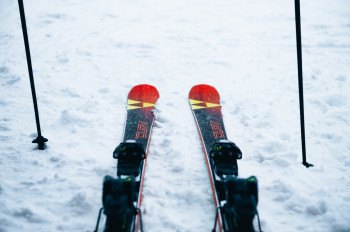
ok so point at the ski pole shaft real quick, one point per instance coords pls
(300, 80)
(40, 140)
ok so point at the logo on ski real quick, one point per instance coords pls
(132, 104)
(195, 104)
(217, 130)
(142, 129)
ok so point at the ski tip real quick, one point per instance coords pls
(144, 93)
(204, 93)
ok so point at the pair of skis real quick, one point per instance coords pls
(235, 198)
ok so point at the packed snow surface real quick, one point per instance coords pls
(88, 54)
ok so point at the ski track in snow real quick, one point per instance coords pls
(86, 57)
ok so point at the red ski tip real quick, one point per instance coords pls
(205, 93)
(144, 93)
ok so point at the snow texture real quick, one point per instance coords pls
(88, 54)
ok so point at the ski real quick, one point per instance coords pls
(122, 195)
(235, 198)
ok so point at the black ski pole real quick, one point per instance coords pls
(300, 80)
(40, 140)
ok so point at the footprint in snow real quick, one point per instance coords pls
(341, 78)
(177, 168)
(3, 128)
(336, 100)
(28, 215)
(70, 93)
(4, 70)
(6, 78)
(79, 204)
(165, 143)
(68, 118)
(273, 147)
(282, 191)
(2, 103)
(317, 208)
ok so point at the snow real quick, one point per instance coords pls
(86, 57)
